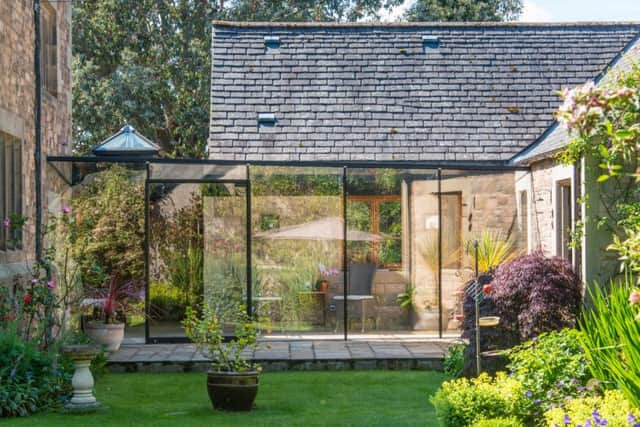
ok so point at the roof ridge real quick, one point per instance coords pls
(517, 24)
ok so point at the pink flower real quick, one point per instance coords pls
(66, 210)
(634, 298)
(51, 284)
(6, 223)
(35, 280)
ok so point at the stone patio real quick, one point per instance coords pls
(290, 355)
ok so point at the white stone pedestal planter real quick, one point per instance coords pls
(82, 381)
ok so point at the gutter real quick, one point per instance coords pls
(38, 129)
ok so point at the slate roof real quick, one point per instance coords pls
(556, 137)
(374, 92)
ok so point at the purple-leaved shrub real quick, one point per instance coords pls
(535, 294)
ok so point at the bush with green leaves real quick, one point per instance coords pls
(109, 211)
(499, 422)
(551, 368)
(166, 301)
(206, 330)
(462, 402)
(611, 410)
(454, 360)
(611, 337)
(32, 379)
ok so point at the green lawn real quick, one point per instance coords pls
(339, 398)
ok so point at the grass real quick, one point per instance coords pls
(342, 398)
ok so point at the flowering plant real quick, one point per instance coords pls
(604, 123)
(325, 273)
(115, 298)
(611, 410)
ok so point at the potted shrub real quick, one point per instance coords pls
(427, 318)
(232, 379)
(105, 328)
(406, 301)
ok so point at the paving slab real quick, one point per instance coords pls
(292, 354)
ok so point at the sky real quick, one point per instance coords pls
(564, 10)
(580, 10)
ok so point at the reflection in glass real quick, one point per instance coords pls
(297, 234)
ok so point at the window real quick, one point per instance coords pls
(49, 49)
(381, 216)
(523, 218)
(10, 188)
(563, 219)
(451, 230)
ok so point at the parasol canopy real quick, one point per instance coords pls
(330, 228)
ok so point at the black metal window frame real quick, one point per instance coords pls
(438, 167)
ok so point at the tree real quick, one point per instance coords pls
(309, 10)
(147, 62)
(465, 10)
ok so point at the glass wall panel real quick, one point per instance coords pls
(476, 205)
(424, 243)
(197, 252)
(385, 293)
(297, 248)
(106, 202)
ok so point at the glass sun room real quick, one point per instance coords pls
(317, 250)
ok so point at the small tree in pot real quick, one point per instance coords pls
(232, 380)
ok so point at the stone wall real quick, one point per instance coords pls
(17, 107)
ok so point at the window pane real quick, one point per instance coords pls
(390, 226)
(17, 188)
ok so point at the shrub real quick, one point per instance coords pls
(454, 360)
(611, 338)
(166, 301)
(110, 212)
(499, 422)
(534, 294)
(462, 402)
(612, 410)
(31, 379)
(550, 368)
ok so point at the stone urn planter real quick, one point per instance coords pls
(232, 391)
(426, 320)
(82, 381)
(109, 335)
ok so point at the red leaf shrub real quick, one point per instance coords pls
(535, 294)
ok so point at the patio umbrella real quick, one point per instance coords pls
(329, 228)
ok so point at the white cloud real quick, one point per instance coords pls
(533, 12)
(396, 13)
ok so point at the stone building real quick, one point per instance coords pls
(17, 115)
(478, 98)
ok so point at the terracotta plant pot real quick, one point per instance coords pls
(324, 286)
(232, 391)
(109, 335)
